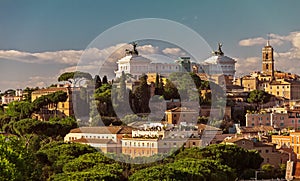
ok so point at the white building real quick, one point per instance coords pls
(136, 65)
(106, 138)
(218, 63)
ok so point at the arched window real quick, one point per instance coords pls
(267, 56)
(267, 66)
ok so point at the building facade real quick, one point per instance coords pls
(181, 114)
(136, 65)
(64, 109)
(277, 83)
(219, 64)
(105, 138)
(291, 141)
(267, 151)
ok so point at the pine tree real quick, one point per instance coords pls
(98, 82)
(104, 80)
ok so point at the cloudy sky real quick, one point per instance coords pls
(41, 39)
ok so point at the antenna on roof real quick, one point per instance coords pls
(268, 42)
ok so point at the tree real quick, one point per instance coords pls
(122, 90)
(196, 80)
(16, 163)
(104, 80)
(186, 169)
(258, 97)
(230, 155)
(27, 93)
(98, 82)
(170, 91)
(59, 96)
(53, 156)
(19, 110)
(142, 96)
(103, 95)
(159, 85)
(53, 98)
(74, 77)
(185, 84)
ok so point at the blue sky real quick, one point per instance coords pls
(60, 25)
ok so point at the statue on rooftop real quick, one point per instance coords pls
(134, 51)
(219, 52)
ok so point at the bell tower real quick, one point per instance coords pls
(268, 60)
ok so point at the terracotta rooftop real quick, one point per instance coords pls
(103, 130)
(207, 127)
(181, 109)
(50, 89)
(256, 129)
(233, 140)
(99, 141)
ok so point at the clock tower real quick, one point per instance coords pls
(268, 60)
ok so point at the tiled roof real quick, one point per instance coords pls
(207, 127)
(181, 109)
(256, 129)
(103, 130)
(261, 144)
(99, 141)
(233, 140)
(50, 89)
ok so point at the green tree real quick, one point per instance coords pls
(258, 97)
(104, 102)
(186, 169)
(16, 163)
(159, 85)
(230, 155)
(104, 80)
(19, 110)
(53, 156)
(74, 77)
(98, 82)
(59, 96)
(196, 79)
(142, 96)
(170, 91)
(27, 93)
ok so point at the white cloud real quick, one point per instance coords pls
(91, 60)
(173, 51)
(287, 59)
(63, 57)
(246, 65)
(252, 41)
(260, 41)
(35, 81)
(147, 49)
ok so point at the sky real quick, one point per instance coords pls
(39, 40)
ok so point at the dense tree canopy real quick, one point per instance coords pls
(15, 161)
(258, 97)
